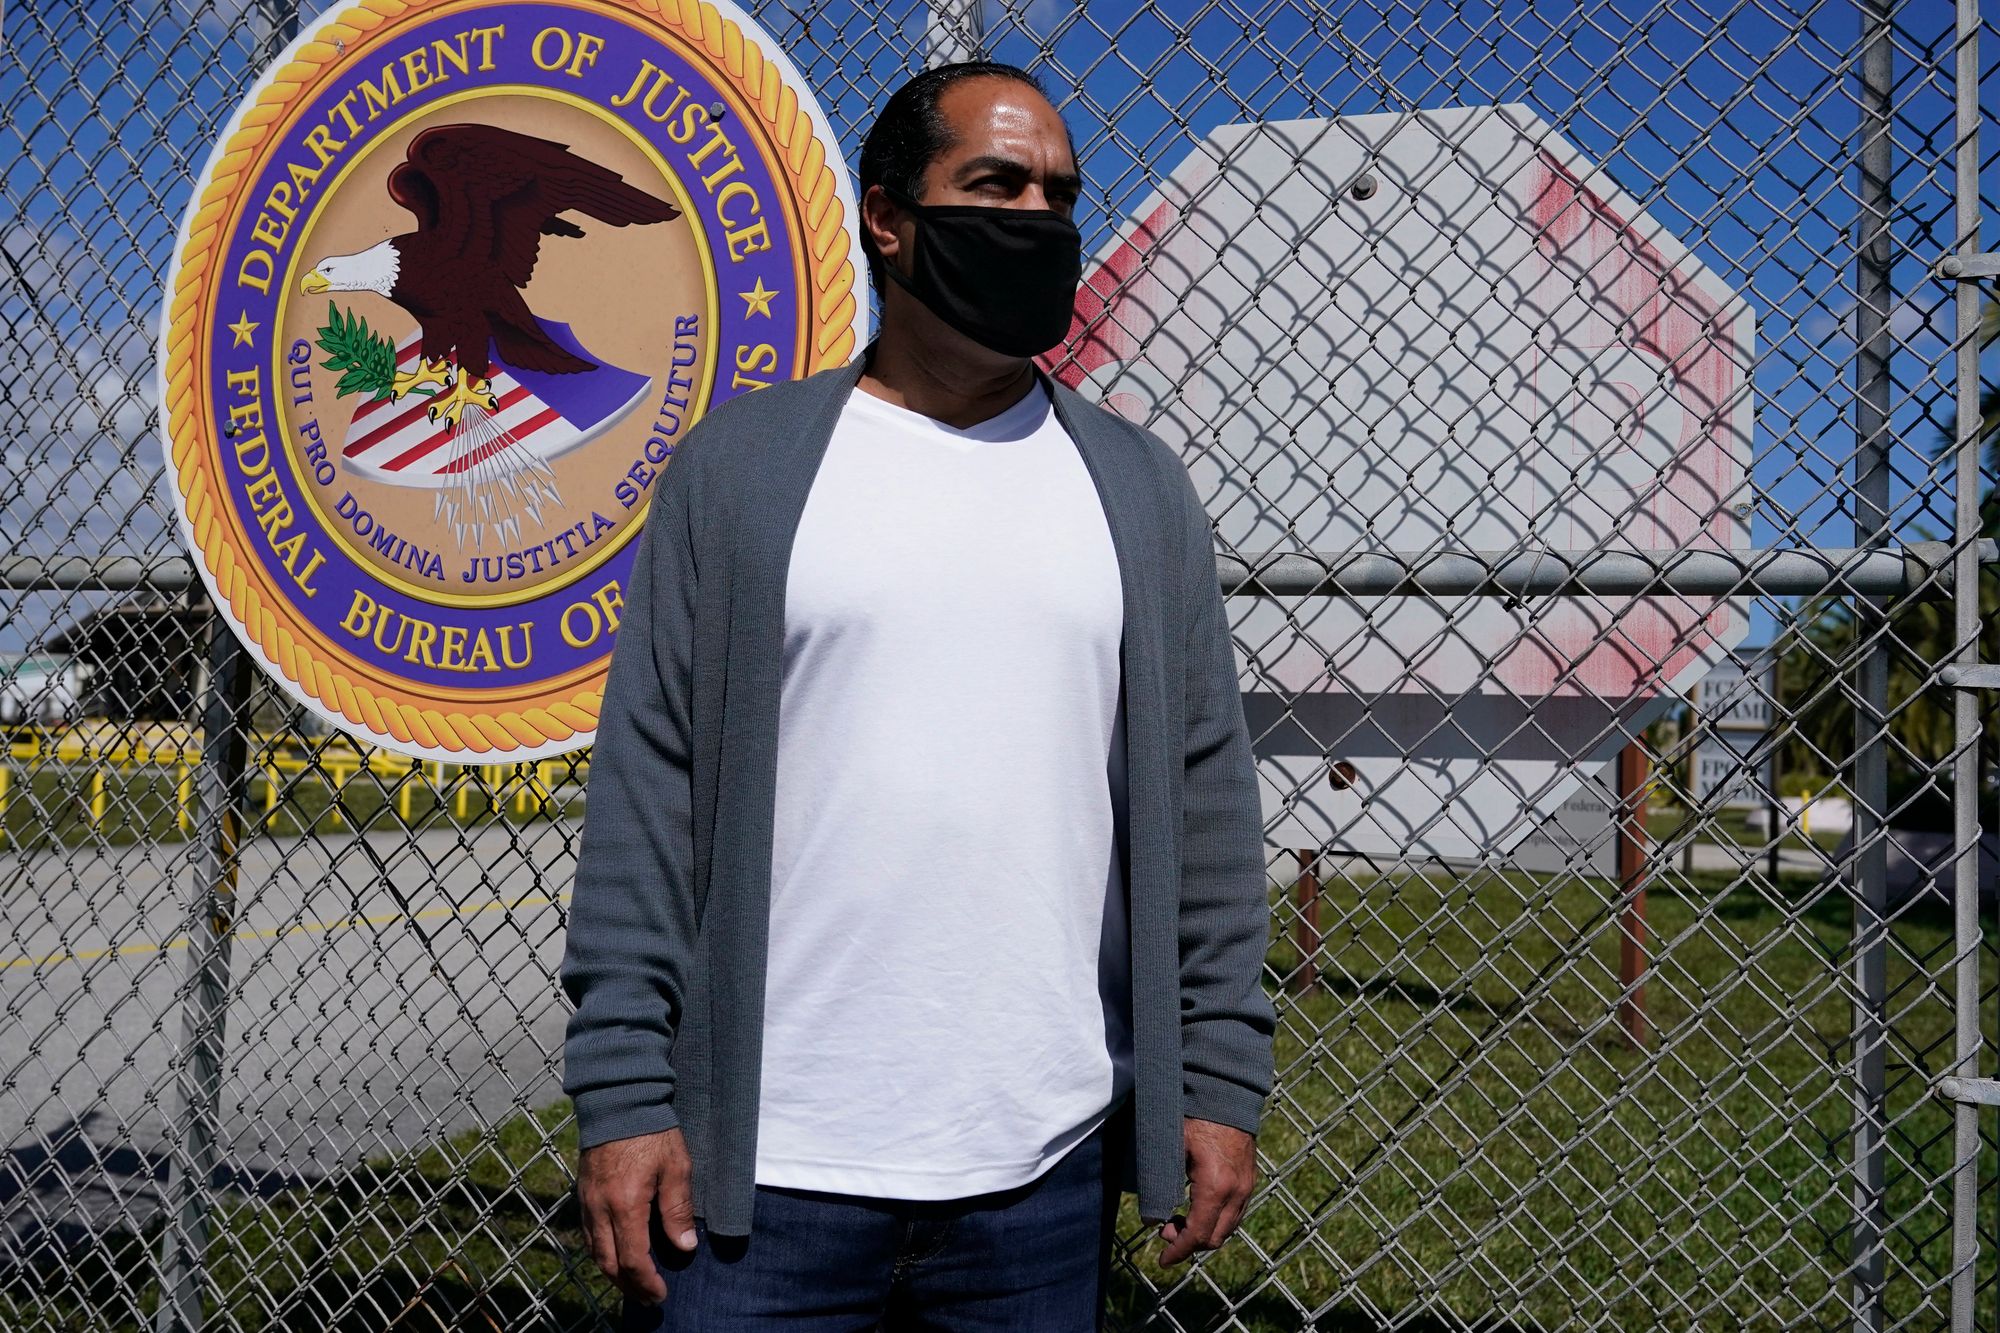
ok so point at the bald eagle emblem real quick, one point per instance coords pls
(502, 390)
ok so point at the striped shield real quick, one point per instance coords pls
(541, 417)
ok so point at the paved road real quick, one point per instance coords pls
(1791, 860)
(385, 991)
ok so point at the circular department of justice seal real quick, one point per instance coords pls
(454, 283)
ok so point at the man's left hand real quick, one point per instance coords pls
(1222, 1170)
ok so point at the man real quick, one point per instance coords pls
(882, 995)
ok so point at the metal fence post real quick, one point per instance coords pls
(1966, 730)
(220, 791)
(1869, 869)
(192, 1148)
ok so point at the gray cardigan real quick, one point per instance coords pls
(665, 960)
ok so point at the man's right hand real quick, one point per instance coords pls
(618, 1184)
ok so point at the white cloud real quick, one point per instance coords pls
(1036, 16)
(80, 454)
(246, 22)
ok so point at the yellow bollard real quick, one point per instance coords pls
(403, 790)
(463, 797)
(97, 797)
(6, 782)
(183, 797)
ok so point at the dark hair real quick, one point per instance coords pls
(910, 132)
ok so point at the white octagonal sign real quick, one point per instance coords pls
(1442, 331)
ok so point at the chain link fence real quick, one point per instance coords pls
(1685, 1036)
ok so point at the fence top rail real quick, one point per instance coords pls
(1770, 571)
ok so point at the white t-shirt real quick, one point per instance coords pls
(947, 1002)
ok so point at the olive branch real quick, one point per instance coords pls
(365, 359)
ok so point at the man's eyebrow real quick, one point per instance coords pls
(1007, 166)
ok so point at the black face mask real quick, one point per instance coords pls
(1004, 277)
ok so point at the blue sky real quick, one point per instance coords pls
(1732, 124)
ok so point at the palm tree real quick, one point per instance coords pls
(1816, 664)
(1989, 429)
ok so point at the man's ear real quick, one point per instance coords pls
(880, 215)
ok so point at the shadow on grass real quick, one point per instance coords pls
(447, 1300)
(107, 1282)
(1199, 1308)
(1420, 994)
(70, 1186)
(81, 1231)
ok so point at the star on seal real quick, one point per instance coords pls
(758, 300)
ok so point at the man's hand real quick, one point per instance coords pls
(617, 1184)
(1222, 1170)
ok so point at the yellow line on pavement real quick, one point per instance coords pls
(326, 927)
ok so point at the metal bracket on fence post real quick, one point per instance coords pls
(1969, 268)
(1970, 1091)
(1970, 677)
(192, 1134)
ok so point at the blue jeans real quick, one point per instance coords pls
(1032, 1259)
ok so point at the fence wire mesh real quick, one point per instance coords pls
(1676, 1069)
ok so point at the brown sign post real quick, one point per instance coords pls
(1305, 929)
(1632, 841)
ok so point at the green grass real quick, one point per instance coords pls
(1461, 1135)
(1471, 1133)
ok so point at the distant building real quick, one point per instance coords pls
(140, 654)
(143, 657)
(41, 690)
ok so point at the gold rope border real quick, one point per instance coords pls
(829, 265)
